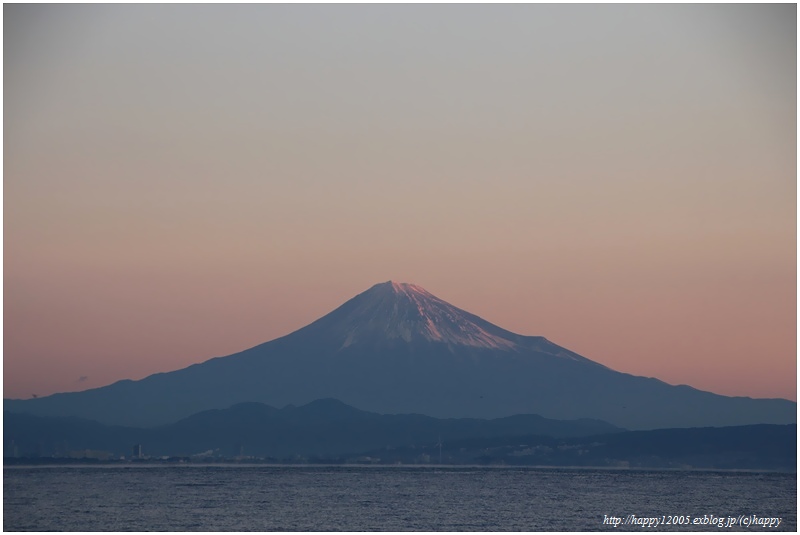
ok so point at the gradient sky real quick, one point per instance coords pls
(184, 182)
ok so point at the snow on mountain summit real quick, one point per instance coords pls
(402, 311)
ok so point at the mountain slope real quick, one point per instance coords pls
(324, 428)
(330, 431)
(396, 348)
(750, 447)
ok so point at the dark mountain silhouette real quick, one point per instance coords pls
(750, 447)
(396, 348)
(322, 428)
(330, 431)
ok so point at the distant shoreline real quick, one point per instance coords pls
(48, 462)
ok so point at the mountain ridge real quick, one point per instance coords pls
(321, 427)
(330, 431)
(396, 348)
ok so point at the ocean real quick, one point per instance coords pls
(139, 497)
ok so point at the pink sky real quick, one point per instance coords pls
(618, 179)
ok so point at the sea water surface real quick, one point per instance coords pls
(381, 498)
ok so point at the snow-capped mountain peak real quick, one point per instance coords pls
(403, 311)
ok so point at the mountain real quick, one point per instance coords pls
(749, 447)
(325, 428)
(396, 348)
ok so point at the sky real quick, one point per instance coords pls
(183, 182)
